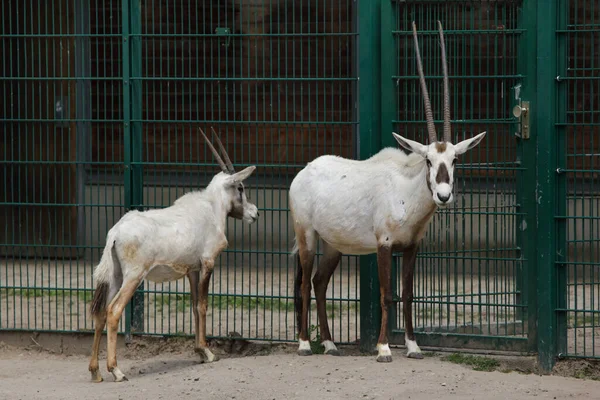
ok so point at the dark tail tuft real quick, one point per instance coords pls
(298, 294)
(99, 301)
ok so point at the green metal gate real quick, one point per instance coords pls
(468, 280)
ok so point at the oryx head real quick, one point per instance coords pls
(440, 156)
(230, 185)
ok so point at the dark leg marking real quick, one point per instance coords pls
(328, 264)
(384, 267)
(408, 269)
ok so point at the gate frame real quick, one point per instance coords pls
(538, 58)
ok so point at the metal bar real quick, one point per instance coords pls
(128, 139)
(135, 48)
(545, 119)
(369, 142)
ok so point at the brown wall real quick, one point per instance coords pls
(199, 90)
(32, 143)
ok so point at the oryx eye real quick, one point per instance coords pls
(428, 162)
(241, 189)
(454, 161)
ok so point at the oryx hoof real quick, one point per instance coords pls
(416, 356)
(384, 359)
(206, 356)
(96, 377)
(333, 352)
(118, 375)
(305, 352)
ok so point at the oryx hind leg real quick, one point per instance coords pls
(113, 315)
(307, 243)
(327, 265)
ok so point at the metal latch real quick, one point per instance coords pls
(521, 111)
(224, 32)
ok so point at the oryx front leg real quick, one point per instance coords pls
(194, 278)
(201, 345)
(408, 268)
(384, 266)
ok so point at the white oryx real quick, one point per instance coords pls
(383, 204)
(164, 245)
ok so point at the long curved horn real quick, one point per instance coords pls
(447, 128)
(214, 151)
(222, 148)
(428, 112)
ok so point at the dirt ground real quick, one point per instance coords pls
(168, 369)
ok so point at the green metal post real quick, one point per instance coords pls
(526, 153)
(561, 179)
(369, 105)
(389, 56)
(137, 199)
(126, 127)
(132, 104)
(544, 118)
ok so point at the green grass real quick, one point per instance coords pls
(83, 295)
(182, 302)
(584, 320)
(315, 344)
(477, 362)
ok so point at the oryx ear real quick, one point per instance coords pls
(468, 144)
(411, 145)
(242, 175)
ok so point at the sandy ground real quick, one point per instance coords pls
(259, 371)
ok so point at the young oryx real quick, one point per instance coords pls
(382, 204)
(164, 245)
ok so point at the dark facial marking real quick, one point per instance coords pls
(427, 176)
(440, 147)
(442, 174)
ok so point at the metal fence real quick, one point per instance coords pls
(100, 103)
(578, 161)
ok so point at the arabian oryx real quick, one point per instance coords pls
(382, 204)
(162, 245)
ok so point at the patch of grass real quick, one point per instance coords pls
(477, 362)
(83, 295)
(315, 344)
(586, 373)
(583, 320)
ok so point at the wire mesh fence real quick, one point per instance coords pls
(578, 144)
(102, 108)
(101, 101)
(467, 281)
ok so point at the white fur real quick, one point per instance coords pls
(329, 346)
(411, 346)
(165, 244)
(358, 206)
(383, 350)
(303, 344)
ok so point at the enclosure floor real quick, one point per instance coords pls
(279, 375)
